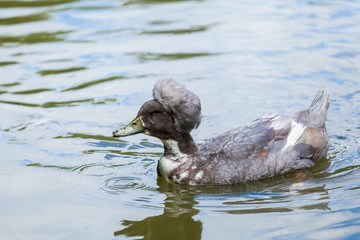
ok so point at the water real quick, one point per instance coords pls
(73, 71)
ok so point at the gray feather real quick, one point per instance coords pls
(240, 143)
(315, 115)
(184, 104)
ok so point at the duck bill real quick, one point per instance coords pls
(132, 128)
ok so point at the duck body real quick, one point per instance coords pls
(266, 147)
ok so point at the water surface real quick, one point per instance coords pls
(73, 71)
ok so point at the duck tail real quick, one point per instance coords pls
(315, 114)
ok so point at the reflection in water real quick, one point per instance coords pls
(147, 56)
(5, 64)
(153, 1)
(71, 103)
(277, 201)
(175, 223)
(33, 91)
(33, 38)
(58, 71)
(36, 3)
(94, 82)
(179, 31)
(24, 19)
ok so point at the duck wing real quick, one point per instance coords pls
(258, 137)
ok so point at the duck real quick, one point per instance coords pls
(266, 147)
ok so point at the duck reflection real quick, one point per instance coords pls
(175, 223)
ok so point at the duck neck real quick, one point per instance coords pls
(181, 143)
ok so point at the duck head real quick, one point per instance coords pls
(152, 119)
(173, 111)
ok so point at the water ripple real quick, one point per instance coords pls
(59, 71)
(147, 56)
(33, 38)
(92, 83)
(119, 184)
(24, 19)
(6, 63)
(33, 91)
(10, 84)
(36, 3)
(129, 2)
(193, 29)
(71, 103)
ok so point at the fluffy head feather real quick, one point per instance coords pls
(184, 104)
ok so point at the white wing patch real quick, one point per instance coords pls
(297, 129)
(199, 175)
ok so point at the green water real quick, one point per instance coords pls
(73, 71)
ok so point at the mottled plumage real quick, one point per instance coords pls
(266, 147)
